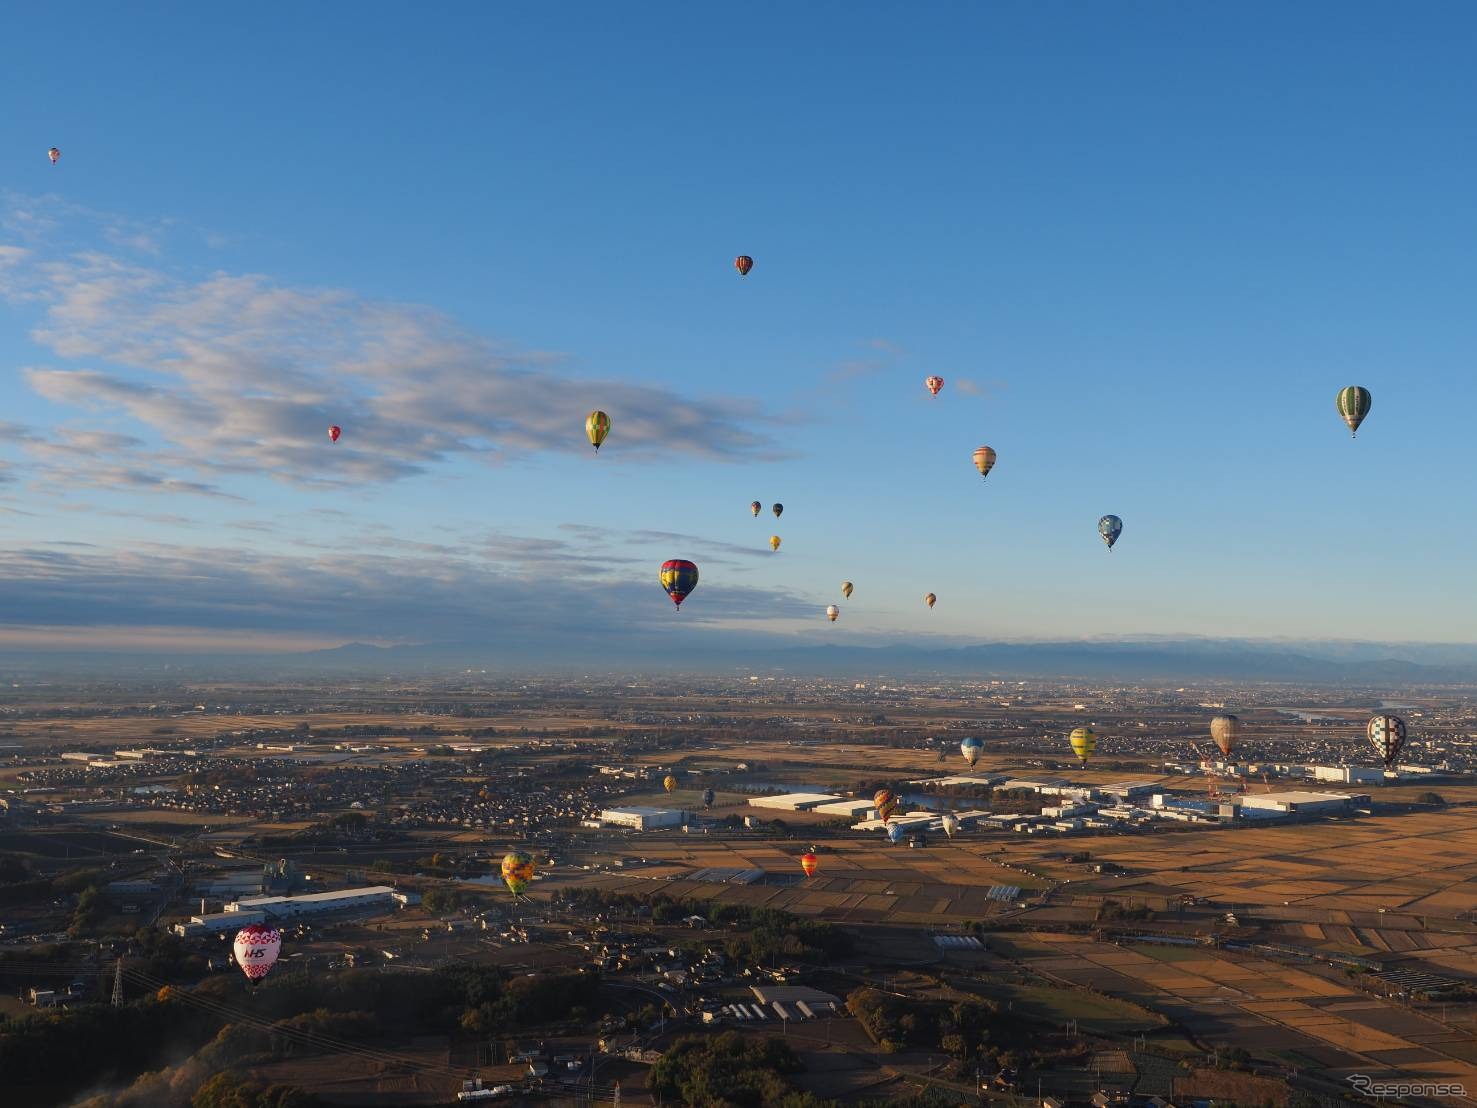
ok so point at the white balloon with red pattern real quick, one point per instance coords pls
(256, 949)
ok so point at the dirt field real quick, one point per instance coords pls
(1304, 1017)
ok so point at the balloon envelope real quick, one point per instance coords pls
(679, 578)
(334, 432)
(846, 589)
(754, 506)
(1110, 527)
(256, 948)
(774, 542)
(778, 510)
(930, 600)
(984, 460)
(951, 824)
(54, 154)
(1353, 404)
(597, 426)
(707, 798)
(1225, 731)
(933, 384)
(885, 801)
(1386, 735)
(517, 870)
(743, 263)
(971, 748)
(832, 611)
(809, 862)
(895, 833)
(669, 782)
(1084, 743)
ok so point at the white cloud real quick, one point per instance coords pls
(238, 374)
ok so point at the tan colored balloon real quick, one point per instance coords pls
(1226, 731)
(846, 589)
(930, 600)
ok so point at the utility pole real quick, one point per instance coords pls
(118, 985)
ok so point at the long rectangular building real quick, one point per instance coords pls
(291, 907)
(794, 802)
(643, 819)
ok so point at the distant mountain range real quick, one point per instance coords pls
(1142, 660)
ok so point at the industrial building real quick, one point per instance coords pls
(1130, 790)
(846, 809)
(1349, 775)
(292, 907)
(982, 780)
(795, 802)
(643, 819)
(1302, 803)
(216, 922)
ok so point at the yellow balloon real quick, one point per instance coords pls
(1084, 743)
(597, 426)
(774, 542)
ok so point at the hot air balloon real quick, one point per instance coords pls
(895, 833)
(1110, 527)
(755, 506)
(256, 947)
(679, 578)
(809, 862)
(984, 460)
(743, 263)
(885, 801)
(1226, 731)
(951, 824)
(832, 611)
(846, 589)
(1387, 735)
(597, 426)
(1353, 405)
(669, 782)
(334, 432)
(517, 871)
(707, 798)
(774, 542)
(971, 748)
(1084, 742)
(933, 384)
(54, 154)
(930, 600)
(778, 510)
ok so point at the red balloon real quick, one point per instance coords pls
(743, 263)
(933, 384)
(334, 432)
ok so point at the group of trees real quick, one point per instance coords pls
(962, 1029)
(47, 1056)
(767, 935)
(736, 1071)
(729, 1069)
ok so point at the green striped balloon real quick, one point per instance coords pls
(1353, 405)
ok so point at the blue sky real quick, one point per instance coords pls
(1144, 243)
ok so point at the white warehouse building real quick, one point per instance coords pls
(1302, 803)
(643, 819)
(291, 907)
(794, 802)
